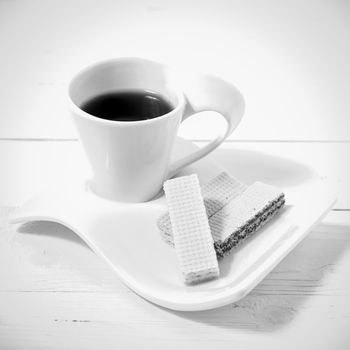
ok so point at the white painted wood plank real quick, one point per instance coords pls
(290, 59)
(89, 321)
(54, 294)
(28, 166)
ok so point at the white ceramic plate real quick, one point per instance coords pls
(127, 238)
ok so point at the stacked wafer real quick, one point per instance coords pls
(230, 210)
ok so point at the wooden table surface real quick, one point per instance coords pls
(290, 59)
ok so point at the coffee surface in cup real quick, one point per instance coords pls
(127, 106)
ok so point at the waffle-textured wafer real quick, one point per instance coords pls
(235, 215)
(244, 215)
(191, 232)
(216, 194)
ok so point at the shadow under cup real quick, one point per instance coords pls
(129, 160)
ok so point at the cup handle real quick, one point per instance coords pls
(209, 93)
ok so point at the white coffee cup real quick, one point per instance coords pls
(130, 160)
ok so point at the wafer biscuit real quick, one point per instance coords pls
(237, 214)
(191, 232)
(244, 215)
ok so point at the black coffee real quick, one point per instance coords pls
(127, 106)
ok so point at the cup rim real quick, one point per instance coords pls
(73, 107)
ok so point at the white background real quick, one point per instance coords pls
(290, 59)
